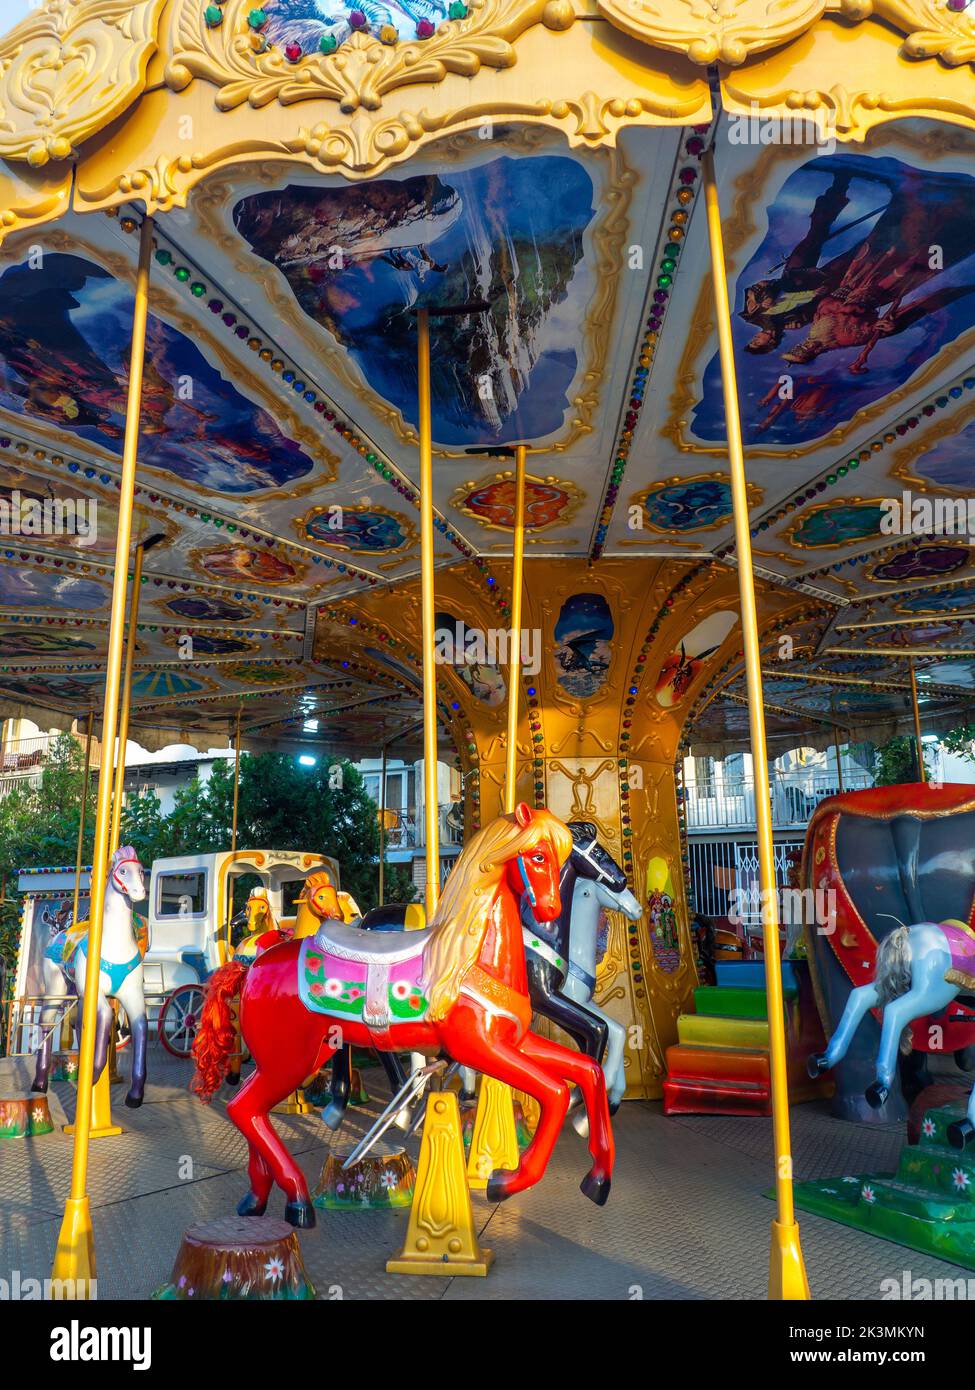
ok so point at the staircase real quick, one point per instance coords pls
(720, 1063)
(928, 1204)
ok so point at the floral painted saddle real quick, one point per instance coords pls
(371, 976)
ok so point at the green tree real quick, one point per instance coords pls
(896, 762)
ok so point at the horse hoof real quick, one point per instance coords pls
(816, 1064)
(614, 1105)
(300, 1214)
(596, 1189)
(232, 1078)
(876, 1095)
(497, 1187)
(333, 1115)
(960, 1133)
(39, 1088)
(133, 1102)
(251, 1206)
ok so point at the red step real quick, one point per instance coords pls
(684, 1097)
(686, 1062)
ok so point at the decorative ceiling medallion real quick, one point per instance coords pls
(698, 503)
(829, 524)
(243, 564)
(236, 57)
(710, 31)
(69, 70)
(357, 530)
(549, 501)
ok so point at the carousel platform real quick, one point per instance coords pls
(687, 1219)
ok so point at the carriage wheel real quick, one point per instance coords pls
(179, 1019)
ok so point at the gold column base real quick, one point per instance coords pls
(786, 1269)
(73, 1271)
(494, 1139)
(294, 1105)
(101, 1111)
(441, 1238)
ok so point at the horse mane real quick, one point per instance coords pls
(459, 924)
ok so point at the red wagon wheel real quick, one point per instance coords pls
(179, 1019)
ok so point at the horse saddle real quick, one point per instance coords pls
(369, 975)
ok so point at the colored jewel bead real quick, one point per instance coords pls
(213, 15)
(457, 10)
(425, 29)
(292, 51)
(257, 19)
(164, 257)
(328, 43)
(358, 20)
(389, 34)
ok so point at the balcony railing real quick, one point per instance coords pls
(407, 831)
(731, 805)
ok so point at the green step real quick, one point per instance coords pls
(913, 1199)
(724, 1001)
(937, 1122)
(939, 1170)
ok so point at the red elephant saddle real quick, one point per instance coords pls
(371, 976)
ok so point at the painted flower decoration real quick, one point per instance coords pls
(927, 1127)
(400, 990)
(389, 1180)
(333, 987)
(868, 1194)
(848, 1179)
(274, 1269)
(960, 1180)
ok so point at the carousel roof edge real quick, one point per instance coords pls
(101, 86)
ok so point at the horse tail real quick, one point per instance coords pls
(216, 1037)
(893, 974)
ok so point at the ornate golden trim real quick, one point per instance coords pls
(69, 70)
(722, 30)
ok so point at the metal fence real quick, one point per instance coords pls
(719, 867)
(731, 805)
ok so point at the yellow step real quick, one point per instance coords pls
(708, 1031)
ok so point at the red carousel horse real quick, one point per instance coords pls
(460, 986)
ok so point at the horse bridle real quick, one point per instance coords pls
(600, 874)
(129, 859)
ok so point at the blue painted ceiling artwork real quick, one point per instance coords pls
(65, 335)
(583, 635)
(509, 232)
(37, 588)
(844, 295)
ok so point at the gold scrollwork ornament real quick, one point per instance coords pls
(69, 70)
(711, 31)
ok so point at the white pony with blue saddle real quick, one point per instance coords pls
(119, 976)
(920, 970)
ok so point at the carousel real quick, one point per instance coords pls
(557, 389)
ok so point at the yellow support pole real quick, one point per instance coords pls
(79, 854)
(431, 807)
(67, 1027)
(514, 662)
(118, 794)
(233, 824)
(382, 828)
(74, 1259)
(921, 772)
(787, 1273)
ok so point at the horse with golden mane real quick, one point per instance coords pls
(460, 987)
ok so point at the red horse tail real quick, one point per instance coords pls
(216, 1037)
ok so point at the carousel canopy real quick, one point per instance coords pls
(316, 175)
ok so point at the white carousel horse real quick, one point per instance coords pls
(119, 977)
(920, 970)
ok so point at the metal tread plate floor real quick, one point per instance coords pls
(687, 1218)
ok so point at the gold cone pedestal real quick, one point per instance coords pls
(441, 1238)
(494, 1141)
